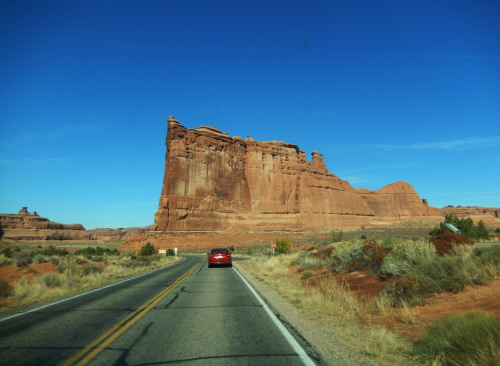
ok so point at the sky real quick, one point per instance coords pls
(387, 90)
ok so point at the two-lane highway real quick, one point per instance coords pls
(186, 313)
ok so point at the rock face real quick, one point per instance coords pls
(30, 226)
(216, 182)
(26, 220)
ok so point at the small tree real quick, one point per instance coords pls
(482, 232)
(283, 245)
(147, 250)
(337, 235)
(170, 253)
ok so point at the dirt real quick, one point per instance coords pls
(412, 326)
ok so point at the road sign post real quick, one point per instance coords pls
(273, 245)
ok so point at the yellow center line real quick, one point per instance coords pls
(113, 333)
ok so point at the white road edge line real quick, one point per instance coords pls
(84, 293)
(295, 345)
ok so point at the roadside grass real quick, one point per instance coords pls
(332, 304)
(413, 270)
(78, 273)
(469, 338)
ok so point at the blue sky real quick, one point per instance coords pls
(386, 90)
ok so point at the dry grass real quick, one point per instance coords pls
(333, 304)
(54, 285)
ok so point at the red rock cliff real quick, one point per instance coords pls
(216, 182)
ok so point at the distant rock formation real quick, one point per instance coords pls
(25, 220)
(216, 182)
(30, 226)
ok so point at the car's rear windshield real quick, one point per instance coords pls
(220, 251)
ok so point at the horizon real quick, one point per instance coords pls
(386, 91)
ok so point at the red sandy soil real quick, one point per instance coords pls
(366, 289)
(10, 274)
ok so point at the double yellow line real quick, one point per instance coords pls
(104, 340)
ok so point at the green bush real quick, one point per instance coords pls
(469, 338)
(465, 225)
(50, 279)
(307, 274)
(489, 255)
(448, 273)
(307, 262)
(337, 235)
(91, 268)
(40, 258)
(147, 250)
(283, 245)
(405, 255)
(97, 251)
(7, 252)
(403, 291)
(344, 254)
(53, 250)
(170, 253)
(24, 261)
(4, 261)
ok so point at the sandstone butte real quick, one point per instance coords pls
(215, 182)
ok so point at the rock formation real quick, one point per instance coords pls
(216, 182)
(25, 220)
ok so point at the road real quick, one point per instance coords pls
(182, 314)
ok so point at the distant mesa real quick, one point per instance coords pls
(30, 226)
(216, 182)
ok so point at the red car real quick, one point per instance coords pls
(219, 257)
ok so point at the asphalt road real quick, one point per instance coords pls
(182, 314)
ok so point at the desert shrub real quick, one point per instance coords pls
(4, 261)
(444, 241)
(24, 261)
(50, 279)
(91, 269)
(6, 252)
(403, 291)
(405, 255)
(283, 245)
(259, 259)
(489, 254)
(80, 260)
(231, 248)
(447, 273)
(308, 262)
(489, 259)
(147, 250)
(97, 258)
(40, 258)
(307, 274)
(337, 236)
(170, 253)
(97, 251)
(469, 338)
(5, 289)
(323, 253)
(54, 260)
(345, 254)
(53, 250)
(373, 256)
(156, 257)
